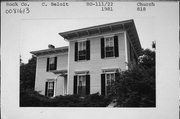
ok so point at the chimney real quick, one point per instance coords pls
(50, 46)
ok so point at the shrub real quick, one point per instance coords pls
(30, 98)
(136, 88)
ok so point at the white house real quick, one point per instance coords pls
(91, 61)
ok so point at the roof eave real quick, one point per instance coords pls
(111, 26)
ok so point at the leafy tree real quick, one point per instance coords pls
(136, 86)
(27, 74)
(147, 60)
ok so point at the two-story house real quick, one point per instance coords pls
(91, 61)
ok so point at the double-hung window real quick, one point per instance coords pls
(82, 50)
(49, 91)
(109, 47)
(51, 63)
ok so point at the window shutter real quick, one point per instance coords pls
(102, 84)
(116, 49)
(46, 88)
(53, 89)
(87, 84)
(47, 67)
(76, 51)
(75, 85)
(88, 50)
(102, 47)
(55, 63)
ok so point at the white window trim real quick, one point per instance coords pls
(84, 72)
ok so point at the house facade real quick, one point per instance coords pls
(90, 63)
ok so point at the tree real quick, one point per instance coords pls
(147, 60)
(27, 74)
(136, 86)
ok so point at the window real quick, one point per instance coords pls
(107, 81)
(49, 91)
(82, 50)
(110, 79)
(82, 84)
(81, 90)
(51, 63)
(109, 47)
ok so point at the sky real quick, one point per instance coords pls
(36, 34)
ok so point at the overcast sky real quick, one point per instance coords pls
(36, 34)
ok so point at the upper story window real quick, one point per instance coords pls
(109, 47)
(82, 50)
(51, 63)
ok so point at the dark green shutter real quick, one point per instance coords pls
(87, 84)
(116, 49)
(102, 84)
(76, 51)
(46, 88)
(55, 63)
(88, 50)
(75, 85)
(102, 47)
(47, 66)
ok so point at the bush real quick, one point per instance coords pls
(30, 98)
(136, 88)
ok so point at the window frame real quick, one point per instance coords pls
(111, 81)
(82, 48)
(78, 78)
(111, 40)
(52, 88)
(52, 66)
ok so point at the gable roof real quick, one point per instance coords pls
(127, 25)
(62, 50)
